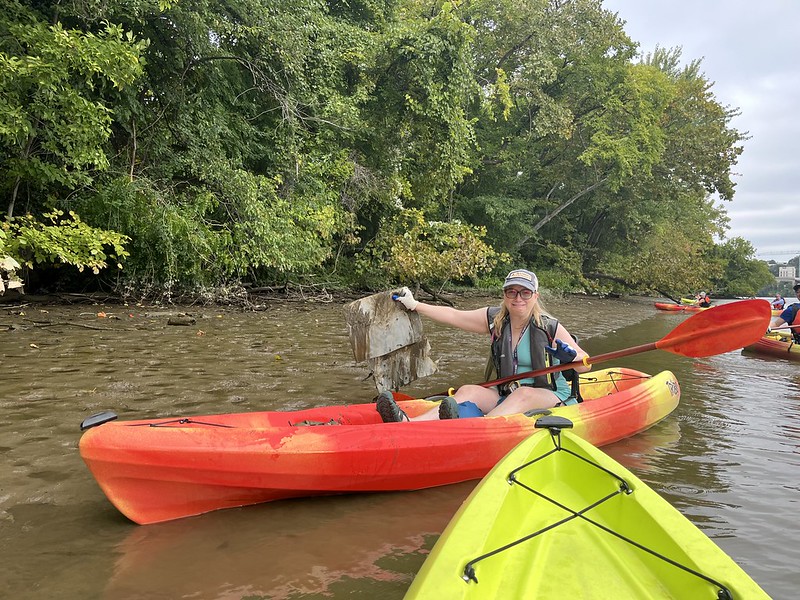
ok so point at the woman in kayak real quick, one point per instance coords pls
(523, 338)
(779, 303)
(704, 300)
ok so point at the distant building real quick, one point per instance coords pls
(787, 276)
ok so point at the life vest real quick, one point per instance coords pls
(795, 308)
(502, 354)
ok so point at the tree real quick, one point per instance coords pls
(261, 141)
(743, 274)
(582, 120)
(417, 251)
(46, 73)
(55, 118)
(249, 140)
(598, 153)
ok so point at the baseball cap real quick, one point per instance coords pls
(522, 277)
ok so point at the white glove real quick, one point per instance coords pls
(406, 298)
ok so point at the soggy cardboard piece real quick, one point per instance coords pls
(396, 369)
(379, 325)
(390, 339)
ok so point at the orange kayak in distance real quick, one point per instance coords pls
(669, 306)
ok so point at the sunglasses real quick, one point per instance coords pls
(524, 294)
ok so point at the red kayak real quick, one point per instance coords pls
(776, 344)
(668, 306)
(695, 308)
(161, 469)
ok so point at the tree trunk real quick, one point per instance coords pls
(548, 217)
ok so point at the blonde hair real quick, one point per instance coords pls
(536, 312)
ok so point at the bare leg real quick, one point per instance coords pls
(483, 397)
(523, 399)
(430, 415)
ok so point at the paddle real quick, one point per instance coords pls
(719, 329)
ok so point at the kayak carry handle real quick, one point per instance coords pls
(554, 423)
(98, 419)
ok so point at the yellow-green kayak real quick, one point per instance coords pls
(558, 518)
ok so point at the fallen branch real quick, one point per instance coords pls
(435, 295)
(53, 324)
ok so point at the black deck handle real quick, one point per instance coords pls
(97, 419)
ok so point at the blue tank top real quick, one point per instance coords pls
(523, 362)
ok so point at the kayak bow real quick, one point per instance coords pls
(558, 518)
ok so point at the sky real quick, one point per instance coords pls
(750, 49)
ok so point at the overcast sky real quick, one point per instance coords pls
(750, 49)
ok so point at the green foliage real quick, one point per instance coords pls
(410, 249)
(701, 147)
(56, 84)
(626, 136)
(422, 85)
(8, 266)
(667, 261)
(743, 274)
(598, 153)
(216, 233)
(246, 139)
(66, 240)
(505, 218)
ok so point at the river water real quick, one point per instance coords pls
(727, 458)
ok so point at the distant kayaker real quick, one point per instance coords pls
(704, 300)
(779, 303)
(789, 316)
(523, 338)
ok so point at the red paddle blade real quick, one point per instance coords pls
(720, 329)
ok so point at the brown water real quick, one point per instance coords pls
(727, 457)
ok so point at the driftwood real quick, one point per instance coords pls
(68, 323)
(436, 295)
(181, 320)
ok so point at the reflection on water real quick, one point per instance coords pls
(727, 457)
(286, 549)
(642, 453)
